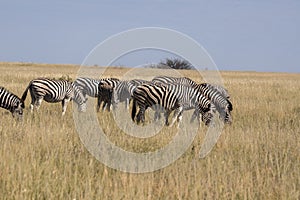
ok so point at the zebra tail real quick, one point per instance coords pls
(23, 98)
(133, 112)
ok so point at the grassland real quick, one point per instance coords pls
(257, 157)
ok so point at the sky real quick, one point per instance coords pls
(257, 35)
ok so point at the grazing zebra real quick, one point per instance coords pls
(53, 91)
(124, 90)
(170, 97)
(216, 93)
(88, 86)
(11, 102)
(221, 101)
(105, 89)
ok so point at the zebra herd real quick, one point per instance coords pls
(163, 94)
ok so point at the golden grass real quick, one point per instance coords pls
(257, 157)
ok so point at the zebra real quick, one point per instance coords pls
(124, 90)
(54, 91)
(105, 89)
(11, 102)
(170, 97)
(216, 93)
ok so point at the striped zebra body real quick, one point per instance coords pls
(88, 86)
(166, 80)
(169, 97)
(105, 90)
(190, 98)
(53, 91)
(11, 102)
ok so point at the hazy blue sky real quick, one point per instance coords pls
(243, 35)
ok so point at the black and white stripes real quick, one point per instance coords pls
(163, 94)
(53, 91)
(88, 86)
(218, 96)
(169, 97)
(11, 102)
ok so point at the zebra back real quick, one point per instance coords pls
(174, 80)
(219, 88)
(11, 102)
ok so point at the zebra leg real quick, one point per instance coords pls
(98, 104)
(31, 107)
(108, 104)
(33, 102)
(179, 119)
(37, 104)
(64, 106)
(141, 115)
(127, 104)
(176, 114)
(104, 107)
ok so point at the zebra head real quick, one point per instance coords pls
(225, 114)
(79, 98)
(17, 110)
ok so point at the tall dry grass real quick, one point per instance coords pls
(257, 157)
